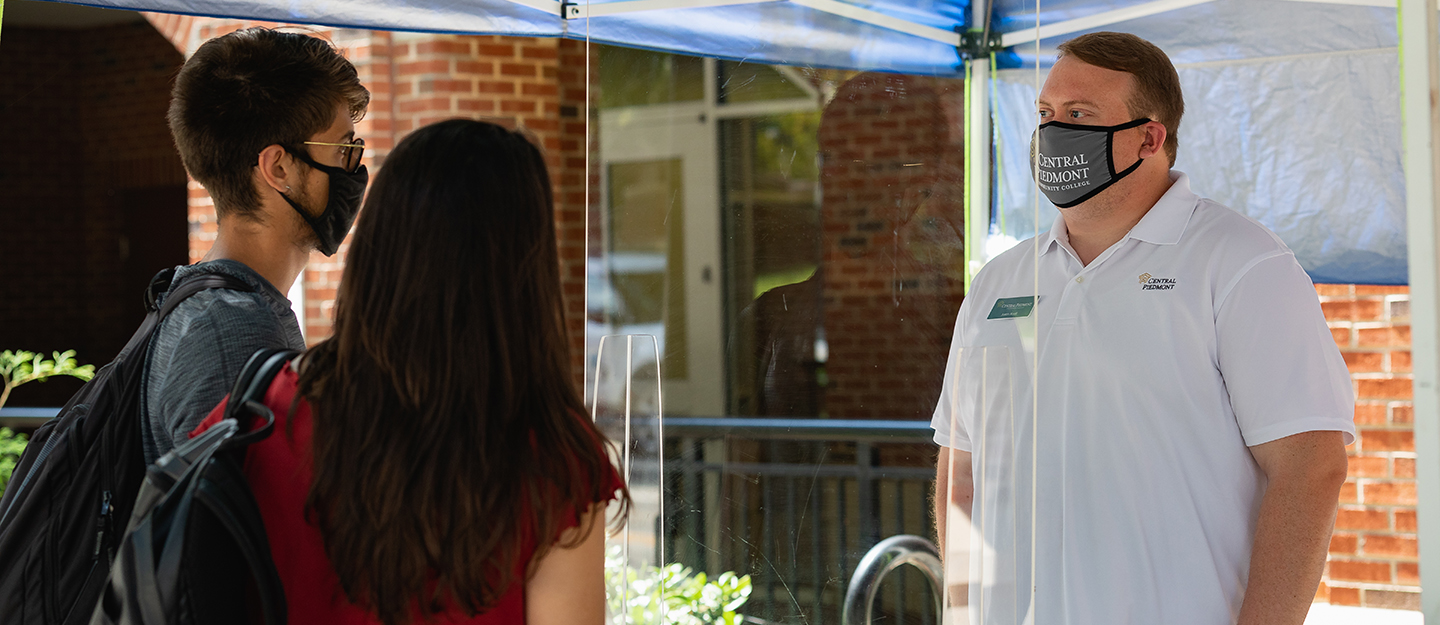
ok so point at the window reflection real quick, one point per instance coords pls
(892, 210)
(646, 262)
(772, 210)
(639, 77)
(792, 237)
(747, 82)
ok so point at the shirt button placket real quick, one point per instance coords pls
(1066, 310)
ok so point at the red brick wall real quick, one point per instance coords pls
(91, 190)
(40, 207)
(573, 186)
(891, 218)
(125, 77)
(1373, 553)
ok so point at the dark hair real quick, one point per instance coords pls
(1157, 92)
(444, 408)
(251, 89)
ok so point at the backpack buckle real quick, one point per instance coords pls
(158, 286)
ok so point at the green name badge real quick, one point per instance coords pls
(1012, 307)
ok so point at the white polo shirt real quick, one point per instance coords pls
(1193, 337)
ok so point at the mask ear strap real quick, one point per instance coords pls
(1131, 124)
(1128, 170)
(1110, 148)
(305, 158)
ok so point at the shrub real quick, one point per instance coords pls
(11, 446)
(671, 595)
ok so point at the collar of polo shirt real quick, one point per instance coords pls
(1163, 224)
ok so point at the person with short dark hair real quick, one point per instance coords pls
(432, 461)
(265, 120)
(1180, 409)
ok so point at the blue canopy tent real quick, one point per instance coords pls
(1295, 110)
(1293, 117)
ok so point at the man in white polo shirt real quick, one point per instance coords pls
(1192, 409)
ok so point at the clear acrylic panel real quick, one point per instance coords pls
(627, 408)
(793, 237)
(988, 531)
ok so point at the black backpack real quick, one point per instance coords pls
(195, 551)
(61, 516)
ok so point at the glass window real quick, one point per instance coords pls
(646, 264)
(748, 82)
(630, 77)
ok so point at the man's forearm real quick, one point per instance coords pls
(942, 486)
(1288, 557)
(954, 484)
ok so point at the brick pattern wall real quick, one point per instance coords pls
(39, 203)
(123, 92)
(84, 189)
(891, 148)
(574, 185)
(1374, 550)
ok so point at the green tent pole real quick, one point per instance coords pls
(978, 144)
(977, 164)
(1420, 118)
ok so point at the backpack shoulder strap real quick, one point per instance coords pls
(247, 397)
(191, 286)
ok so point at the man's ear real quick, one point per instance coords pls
(1154, 142)
(277, 168)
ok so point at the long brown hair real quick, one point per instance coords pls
(443, 405)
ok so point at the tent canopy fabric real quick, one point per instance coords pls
(1292, 117)
(477, 17)
(1293, 112)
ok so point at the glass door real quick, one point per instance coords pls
(658, 270)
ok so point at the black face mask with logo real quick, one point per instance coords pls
(1076, 162)
(346, 190)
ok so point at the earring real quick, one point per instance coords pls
(287, 188)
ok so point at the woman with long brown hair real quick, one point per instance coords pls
(432, 460)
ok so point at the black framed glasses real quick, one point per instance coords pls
(350, 153)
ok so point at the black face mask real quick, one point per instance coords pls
(346, 190)
(1076, 161)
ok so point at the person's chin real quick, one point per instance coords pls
(306, 240)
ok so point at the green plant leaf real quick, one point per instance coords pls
(670, 595)
(12, 446)
(22, 367)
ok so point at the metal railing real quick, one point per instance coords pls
(27, 418)
(795, 504)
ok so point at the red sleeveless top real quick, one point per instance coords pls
(278, 469)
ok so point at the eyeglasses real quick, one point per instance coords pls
(350, 153)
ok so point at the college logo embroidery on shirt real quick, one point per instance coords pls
(1151, 283)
